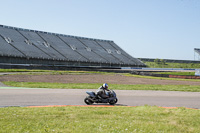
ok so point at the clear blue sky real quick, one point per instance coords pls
(165, 29)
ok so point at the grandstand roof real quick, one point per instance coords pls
(197, 50)
(25, 43)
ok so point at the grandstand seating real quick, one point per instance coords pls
(8, 50)
(80, 48)
(38, 42)
(62, 48)
(96, 48)
(31, 44)
(18, 42)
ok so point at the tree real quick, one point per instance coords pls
(157, 61)
(162, 61)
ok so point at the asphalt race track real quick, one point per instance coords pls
(13, 96)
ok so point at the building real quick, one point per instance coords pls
(23, 47)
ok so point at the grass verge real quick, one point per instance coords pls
(99, 119)
(177, 73)
(188, 88)
(52, 72)
(22, 70)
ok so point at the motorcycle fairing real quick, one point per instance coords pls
(92, 94)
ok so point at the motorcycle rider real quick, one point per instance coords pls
(102, 91)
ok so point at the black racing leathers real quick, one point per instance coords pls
(102, 92)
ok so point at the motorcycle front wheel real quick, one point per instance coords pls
(113, 102)
(88, 101)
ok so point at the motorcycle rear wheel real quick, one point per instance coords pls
(88, 101)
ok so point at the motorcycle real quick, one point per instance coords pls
(94, 98)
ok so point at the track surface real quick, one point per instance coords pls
(41, 97)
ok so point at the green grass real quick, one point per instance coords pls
(51, 72)
(172, 65)
(79, 72)
(99, 119)
(177, 73)
(189, 88)
(22, 70)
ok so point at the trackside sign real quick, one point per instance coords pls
(197, 72)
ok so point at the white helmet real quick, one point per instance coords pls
(105, 86)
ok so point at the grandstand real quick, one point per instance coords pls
(24, 47)
(197, 50)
